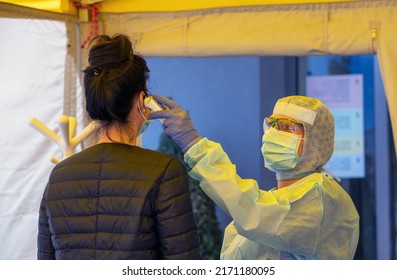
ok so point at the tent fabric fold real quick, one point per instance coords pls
(306, 29)
(8, 10)
(387, 57)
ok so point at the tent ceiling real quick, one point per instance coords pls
(248, 27)
(122, 6)
(115, 6)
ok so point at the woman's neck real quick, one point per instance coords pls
(117, 133)
(286, 183)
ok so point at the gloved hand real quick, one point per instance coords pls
(177, 123)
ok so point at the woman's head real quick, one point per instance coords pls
(114, 79)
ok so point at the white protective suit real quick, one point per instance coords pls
(314, 218)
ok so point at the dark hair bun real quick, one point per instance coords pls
(110, 52)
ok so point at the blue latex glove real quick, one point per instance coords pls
(177, 123)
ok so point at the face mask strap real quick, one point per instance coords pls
(331, 174)
(140, 111)
(139, 107)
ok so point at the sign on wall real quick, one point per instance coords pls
(343, 94)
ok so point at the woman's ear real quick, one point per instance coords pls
(141, 101)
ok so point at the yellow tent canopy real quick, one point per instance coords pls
(125, 6)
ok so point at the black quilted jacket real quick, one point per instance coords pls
(115, 201)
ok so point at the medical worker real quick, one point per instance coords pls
(307, 216)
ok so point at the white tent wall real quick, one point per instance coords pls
(38, 72)
(34, 59)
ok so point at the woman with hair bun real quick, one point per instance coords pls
(116, 200)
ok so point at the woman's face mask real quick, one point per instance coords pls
(144, 126)
(280, 149)
(145, 123)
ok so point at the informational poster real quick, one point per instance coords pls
(343, 94)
